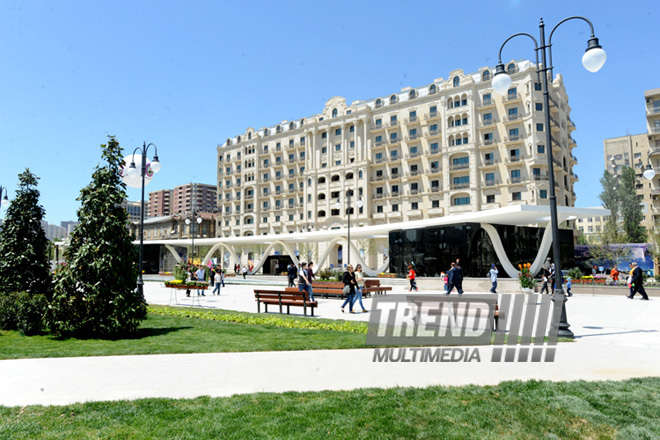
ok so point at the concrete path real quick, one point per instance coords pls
(616, 339)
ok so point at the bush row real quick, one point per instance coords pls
(23, 311)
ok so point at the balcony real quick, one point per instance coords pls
(460, 185)
(433, 151)
(489, 162)
(515, 180)
(541, 177)
(378, 195)
(414, 173)
(654, 150)
(392, 124)
(487, 123)
(491, 182)
(512, 138)
(413, 136)
(435, 189)
(486, 103)
(512, 97)
(487, 142)
(511, 118)
(434, 132)
(396, 175)
(459, 166)
(379, 160)
(434, 170)
(414, 192)
(379, 143)
(411, 119)
(432, 115)
(395, 194)
(654, 130)
(377, 178)
(512, 159)
(413, 155)
(377, 127)
(395, 140)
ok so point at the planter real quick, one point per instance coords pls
(527, 289)
(187, 286)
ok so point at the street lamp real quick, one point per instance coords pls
(192, 231)
(5, 199)
(593, 59)
(359, 204)
(130, 176)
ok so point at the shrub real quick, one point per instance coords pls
(330, 275)
(23, 312)
(575, 273)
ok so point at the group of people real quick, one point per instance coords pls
(548, 278)
(453, 278)
(305, 276)
(353, 280)
(216, 279)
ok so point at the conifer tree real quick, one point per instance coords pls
(24, 264)
(96, 292)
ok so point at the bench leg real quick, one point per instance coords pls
(496, 319)
(258, 307)
(288, 309)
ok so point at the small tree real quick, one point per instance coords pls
(611, 201)
(95, 294)
(631, 207)
(24, 263)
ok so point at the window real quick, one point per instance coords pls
(412, 94)
(514, 134)
(324, 150)
(435, 165)
(540, 149)
(351, 129)
(461, 160)
(538, 106)
(511, 69)
(457, 81)
(414, 205)
(536, 171)
(487, 99)
(490, 198)
(513, 113)
(513, 93)
(543, 194)
(379, 209)
(379, 103)
(434, 147)
(334, 112)
(393, 99)
(352, 144)
(539, 126)
(460, 201)
(393, 119)
(490, 178)
(338, 132)
(462, 181)
(302, 141)
(516, 196)
(394, 154)
(394, 137)
(433, 110)
(515, 176)
(537, 87)
(432, 89)
(395, 207)
(414, 186)
(413, 133)
(488, 118)
(338, 147)
(379, 157)
(379, 123)
(324, 135)
(435, 203)
(395, 189)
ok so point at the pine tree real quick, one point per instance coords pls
(24, 264)
(96, 292)
(631, 207)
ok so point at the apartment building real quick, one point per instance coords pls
(199, 197)
(449, 147)
(638, 151)
(133, 209)
(592, 227)
(159, 203)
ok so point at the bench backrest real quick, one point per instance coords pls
(327, 284)
(371, 283)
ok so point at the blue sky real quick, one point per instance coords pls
(186, 75)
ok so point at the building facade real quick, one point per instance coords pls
(159, 203)
(197, 197)
(133, 209)
(449, 147)
(638, 151)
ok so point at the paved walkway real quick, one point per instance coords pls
(616, 339)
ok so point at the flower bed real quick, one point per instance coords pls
(178, 284)
(386, 275)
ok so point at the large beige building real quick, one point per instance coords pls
(638, 151)
(449, 147)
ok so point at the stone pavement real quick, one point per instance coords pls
(616, 339)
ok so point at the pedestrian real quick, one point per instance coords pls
(302, 278)
(411, 276)
(552, 277)
(222, 277)
(614, 273)
(493, 277)
(443, 277)
(244, 271)
(359, 280)
(637, 282)
(291, 272)
(569, 284)
(545, 280)
(277, 268)
(212, 277)
(200, 278)
(456, 278)
(189, 277)
(310, 278)
(450, 278)
(218, 280)
(349, 288)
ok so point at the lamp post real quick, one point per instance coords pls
(5, 199)
(359, 204)
(593, 59)
(190, 223)
(130, 175)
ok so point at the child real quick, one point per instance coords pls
(569, 284)
(445, 280)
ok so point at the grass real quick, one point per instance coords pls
(160, 334)
(511, 410)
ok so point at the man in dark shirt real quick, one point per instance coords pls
(638, 283)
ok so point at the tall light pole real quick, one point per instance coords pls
(130, 176)
(593, 59)
(5, 199)
(349, 207)
(191, 224)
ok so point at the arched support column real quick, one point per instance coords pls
(366, 269)
(217, 246)
(546, 242)
(173, 251)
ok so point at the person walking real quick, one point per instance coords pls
(277, 268)
(614, 273)
(359, 280)
(569, 284)
(458, 278)
(450, 278)
(222, 277)
(244, 271)
(445, 280)
(302, 279)
(411, 276)
(637, 283)
(310, 278)
(544, 288)
(493, 277)
(291, 273)
(200, 278)
(218, 281)
(349, 288)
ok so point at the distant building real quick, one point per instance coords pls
(160, 203)
(198, 196)
(592, 227)
(69, 226)
(53, 232)
(133, 209)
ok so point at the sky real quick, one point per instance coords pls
(186, 75)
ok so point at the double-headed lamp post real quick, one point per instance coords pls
(593, 59)
(131, 173)
(359, 204)
(191, 224)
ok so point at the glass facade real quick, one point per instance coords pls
(433, 249)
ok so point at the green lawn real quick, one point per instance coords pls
(179, 334)
(511, 410)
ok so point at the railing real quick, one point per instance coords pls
(411, 119)
(395, 193)
(379, 143)
(512, 97)
(459, 166)
(395, 175)
(538, 177)
(486, 102)
(379, 160)
(377, 178)
(516, 179)
(378, 126)
(512, 138)
(491, 182)
(392, 123)
(487, 122)
(413, 155)
(511, 118)
(414, 191)
(433, 151)
(513, 159)
(653, 111)
(434, 132)
(487, 141)
(488, 162)
(434, 170)
(460, 185)
(436, 188)
(394, 140)
(378, 196)
(414, 172)
(432, 115)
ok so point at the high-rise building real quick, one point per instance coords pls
(199, 197)
(638, 151)
(449, 147)
(160, 203)
(133, 209)
(69, 225)
(53, 232)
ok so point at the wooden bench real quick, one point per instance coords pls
(281, 298)
(375, 287)
(327, 288)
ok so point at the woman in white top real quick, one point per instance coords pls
(359, 279)
(218, 281)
